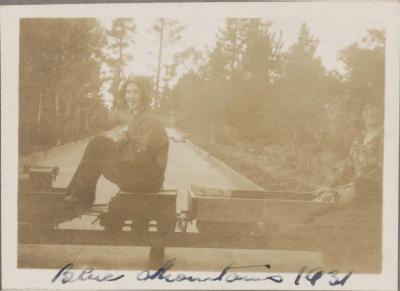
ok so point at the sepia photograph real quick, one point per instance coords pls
(235, 148)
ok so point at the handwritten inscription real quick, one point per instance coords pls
(66, 275)
(228, 274)
(315, 274)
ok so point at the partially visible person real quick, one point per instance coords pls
(136, 161)
(360, 179)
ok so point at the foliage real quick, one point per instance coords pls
(168, 32)
(119, 37)
(245, 88)
(263, 95)
(60, 78)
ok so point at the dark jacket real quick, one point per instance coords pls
(147, 146)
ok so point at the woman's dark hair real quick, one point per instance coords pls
(377, 101)
(369, 99)
(144, 85)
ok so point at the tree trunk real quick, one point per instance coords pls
(159, 63)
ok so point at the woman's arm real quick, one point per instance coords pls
(121, 140)
(147, 139)
(344, 176)
(345, 173)
(334, 193)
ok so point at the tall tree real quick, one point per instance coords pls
(225, 58)
(60, 62)
(120, 37)
(258, 51)
(301, 90)
(359, 58)
(188, 60)
(233, 85)
(259, 69)
(169, 32)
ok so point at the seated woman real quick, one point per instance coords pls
(360, 179)
(136, 162)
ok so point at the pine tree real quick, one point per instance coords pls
(300, 106)
(120, 37)
(169, 32)
(60, 61)
(225, 58)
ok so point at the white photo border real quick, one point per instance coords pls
(387, 12)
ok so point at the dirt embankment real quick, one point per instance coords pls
(275, 167)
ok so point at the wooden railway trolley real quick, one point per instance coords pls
(347, 235)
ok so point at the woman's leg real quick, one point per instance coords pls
(99, 154)
(131, 178)
(134, 179)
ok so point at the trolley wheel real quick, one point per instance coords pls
(225, 228)
(166, 226)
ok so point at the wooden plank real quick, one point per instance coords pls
(156, 256)
(345, 215)
(59, 190)
(292, 212)
(349, 234)
(159, 206)
(125, 238)
(43, 169)
(309, 240)
(170, 192)
(143, 199)
(278, 211)
(228, 209)
(281, 195)
(223, 209)
(202, 191)
(177, 240)
(40, 202)
(222, 205)
(40, 193)
(37, 178)
(43, 207)
(45, 214)
(40, 198)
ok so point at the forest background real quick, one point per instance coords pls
(276, 115)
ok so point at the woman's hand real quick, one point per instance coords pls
(122, 139)
(342, 194)
(347, 193)
(320, 191)
(325, 194)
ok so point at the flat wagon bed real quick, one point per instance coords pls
(347, 235)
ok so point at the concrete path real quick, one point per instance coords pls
(187, 165)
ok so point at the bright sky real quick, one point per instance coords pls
(333, 35)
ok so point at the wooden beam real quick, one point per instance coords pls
(28, 235)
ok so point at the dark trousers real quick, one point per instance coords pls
(101, 158)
